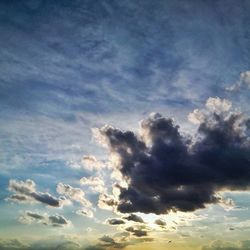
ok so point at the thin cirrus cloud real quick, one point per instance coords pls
(242, 83)
(167, 170)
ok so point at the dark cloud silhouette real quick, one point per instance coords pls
(25, 191)
(167, 170)
(115, 221)
(134, 217)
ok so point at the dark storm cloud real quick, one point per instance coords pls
(25, 191)
(115, 221)
(167, 170)
(134, 217)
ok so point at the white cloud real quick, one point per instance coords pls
(75, 194)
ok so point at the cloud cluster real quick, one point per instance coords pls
(160, 222)
(49, 220)
(75, 194)
(94, 183)
(166, 170)
(11, 244)
(25, 191)
(134, 217)
(137, 231)
(115, 221)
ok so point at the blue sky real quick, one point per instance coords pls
(69, 66)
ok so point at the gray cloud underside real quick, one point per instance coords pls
(167, 170)
(26, 192)
(49, 220)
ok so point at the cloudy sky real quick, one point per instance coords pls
(125, 124)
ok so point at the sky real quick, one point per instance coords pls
(124, 124)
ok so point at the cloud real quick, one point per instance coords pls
(91, 163)
(25, 191)
(134, 217)
(166, 170)
(107, 202)
(243, 82)
(95, 184)
(85, 212)
(12, 244)
(220, 245)
(138, 232)
(75, 194)
(118, 241)
(68, 245)
(160, 222)
(115, 221)
(49, 220)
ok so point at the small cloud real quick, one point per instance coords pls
(134, 217)
(243, 82)
(85, 212)
(90, 163)
(25, 191)
(138, 232)
(49, 220)
(115, 221)
(160, 222)
(74, 194)
(95, 184)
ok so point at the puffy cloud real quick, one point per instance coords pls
(166, 170)
(160, 222)
(138, 232)
(134, 217)
(75, 194)
(11, 244)
(107, 202)
(25, 191)
(115, 221)
(51, 220)
(91, 163)
(95, 184)
(243, 82)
